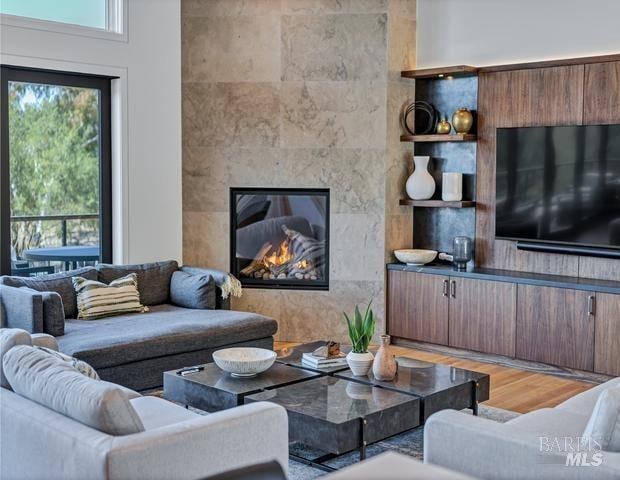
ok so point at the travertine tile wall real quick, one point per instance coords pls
(299, 93)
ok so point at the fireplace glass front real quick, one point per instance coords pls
(280, 237)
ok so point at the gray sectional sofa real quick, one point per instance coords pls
(135, 349)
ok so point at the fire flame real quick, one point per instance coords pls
(280, 256)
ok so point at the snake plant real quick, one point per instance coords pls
(361, 329)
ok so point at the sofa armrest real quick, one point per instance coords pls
(489, 450)
(204, 446)
(44, 340)
(22, 308)
(220, 277)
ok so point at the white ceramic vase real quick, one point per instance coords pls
(452, 187)
(360, 363)
(421, 184)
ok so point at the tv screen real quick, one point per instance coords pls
(559, 185)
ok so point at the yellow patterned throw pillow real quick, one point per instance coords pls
(97, 300)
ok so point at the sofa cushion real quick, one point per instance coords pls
(584, 402)
(55, 384)
(56, 282)
(99, 300)
(550, 421)
(165, 330)
(155, 412)
(192, 291)
(603, 429)
(153, 279)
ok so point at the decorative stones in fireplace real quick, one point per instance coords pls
(279, 237)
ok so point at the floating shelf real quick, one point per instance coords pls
(452, 137)
(441, 72)
(437, 203)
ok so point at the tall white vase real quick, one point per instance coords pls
(420, 185)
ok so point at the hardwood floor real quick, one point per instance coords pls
(511, 388)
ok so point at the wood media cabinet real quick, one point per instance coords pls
(560, 320)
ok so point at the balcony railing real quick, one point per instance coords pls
(56, 218)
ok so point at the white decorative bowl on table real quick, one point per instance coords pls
(244, 361)
(415, 256)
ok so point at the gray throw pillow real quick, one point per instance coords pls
(56, 282)
(193, 291)
(55, 384)
(153, 279)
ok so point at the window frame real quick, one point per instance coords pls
(115, 29)
(10, 73)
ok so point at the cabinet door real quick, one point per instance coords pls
(483, 315)
(418, 306)
(607, 338)
(553, 326)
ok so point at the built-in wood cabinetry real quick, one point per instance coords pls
(423, 316)
(556, 325)
(567, 327)
(607, 334)
(482, 315)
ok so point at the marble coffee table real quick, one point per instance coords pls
(212, 389)
(438, 386)
(337, 416)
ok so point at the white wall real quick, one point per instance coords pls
(146, 113)
(491, 32)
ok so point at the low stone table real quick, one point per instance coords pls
(439, 386)
(292, 356)
(213, 389)
(338, 416)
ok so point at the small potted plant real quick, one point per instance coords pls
(361, 330)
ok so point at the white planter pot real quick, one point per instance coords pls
(360, 363)
(421, 184)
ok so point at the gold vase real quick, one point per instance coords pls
(444, 127)
(462, 120)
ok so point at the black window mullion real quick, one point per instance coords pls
(48, 77)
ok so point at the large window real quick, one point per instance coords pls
(94, 14)
(55, 174)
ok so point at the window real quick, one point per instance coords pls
(55, 171)
(92, 14)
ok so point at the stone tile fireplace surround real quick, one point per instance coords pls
(299, 94)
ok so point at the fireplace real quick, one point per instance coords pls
(279, 237)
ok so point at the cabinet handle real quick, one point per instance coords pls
(591, 305)
(453, 288)
(445, 288)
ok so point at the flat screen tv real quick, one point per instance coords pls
(559, 185)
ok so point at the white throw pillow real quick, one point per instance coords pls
(81, 366)
(55, 384)
(603, 428)
(97, 300)
(9, 337)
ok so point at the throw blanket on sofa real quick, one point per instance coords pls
(227, 282)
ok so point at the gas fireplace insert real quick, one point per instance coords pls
(279, 237)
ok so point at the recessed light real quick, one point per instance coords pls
(440, 75)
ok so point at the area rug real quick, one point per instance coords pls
(409, 443)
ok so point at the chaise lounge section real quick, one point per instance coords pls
(134, 349)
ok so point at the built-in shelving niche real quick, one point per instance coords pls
(435, 228)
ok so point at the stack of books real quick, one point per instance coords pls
(313, 361)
